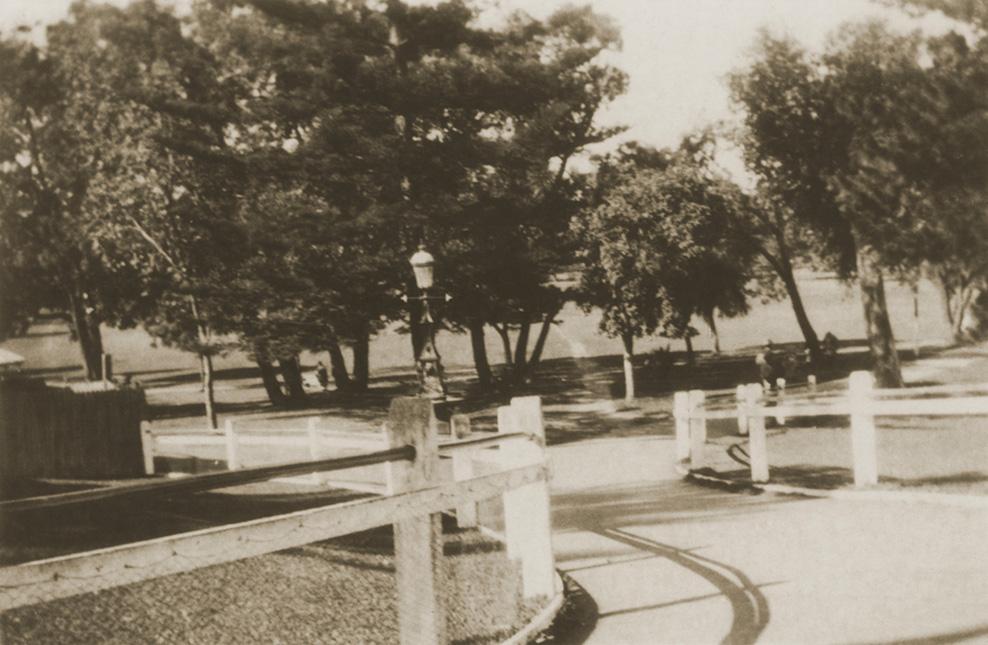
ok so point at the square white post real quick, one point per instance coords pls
(863, 442)
(741, 407)
(757, 442)
(698, 429)
(681, 413)
(419, 540)
(314, 451)
(232, 453)
(527, 520)
(780, 399)
(466, 513)
(147, 447)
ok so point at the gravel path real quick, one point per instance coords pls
(338, 591)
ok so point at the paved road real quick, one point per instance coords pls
(670, 562)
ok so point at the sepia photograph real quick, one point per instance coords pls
(480, 322)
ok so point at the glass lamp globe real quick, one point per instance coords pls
(423, 264)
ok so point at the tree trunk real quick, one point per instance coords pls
(879, 330)
(502, 331)
(87, 332)
(543, 335)
(270, 379)
(803, 320)
(361, 361)
(480, 362)
(520, 366)
(710, 317)
(207, 387)
(690, 358)
(629, 369)
(947, 291)
(291, 372)
(337, 366)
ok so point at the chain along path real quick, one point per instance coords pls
(668, 561)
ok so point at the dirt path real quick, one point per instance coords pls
(669, 562)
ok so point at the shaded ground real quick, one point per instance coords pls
(338, 591)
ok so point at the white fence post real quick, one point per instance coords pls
(780, 399)
(419, 540)
(232, 454)
(466, 513)
(698, 429)
(147, 447)
(741, 407)
(863, 442)
(757, 443)
(314, 452)
(811, 382)
(681, 414)
(533, 535)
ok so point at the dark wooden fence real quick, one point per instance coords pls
(55, 432)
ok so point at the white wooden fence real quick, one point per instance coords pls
(317, 443)
(417, 497)
(861, 403)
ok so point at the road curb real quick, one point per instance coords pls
(542, 620)
(898, 497)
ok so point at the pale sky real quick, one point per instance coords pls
(677, 52)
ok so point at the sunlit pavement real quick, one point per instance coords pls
(671, 562)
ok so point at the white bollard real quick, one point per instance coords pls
(681, 413)
(780, 399)
(757, 442)
(863, 441)
(232, 454)
(314, 452)
(527, 520)
(698, 430)
(741, 406)
(466, 513)
(147, 447)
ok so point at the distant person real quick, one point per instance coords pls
(766, 371)
(322, 375)
(829, 345)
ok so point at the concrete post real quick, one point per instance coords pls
(314, 452)
(741, 407)
(418, 541)
(780, 399)
(232, 453)
(147, 447)
(757, 442)
(681, 413)
(863, 442)
(533, 537)
(698, 430)
(466, 513)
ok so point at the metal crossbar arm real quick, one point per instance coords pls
(208, 482)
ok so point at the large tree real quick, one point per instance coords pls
(658, 247)
(810, 121)
(54, 118)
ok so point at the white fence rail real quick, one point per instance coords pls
(417, 498)
(861, 403)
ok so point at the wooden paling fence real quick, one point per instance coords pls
(55, 432)
(417, 495)
(861, 403)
